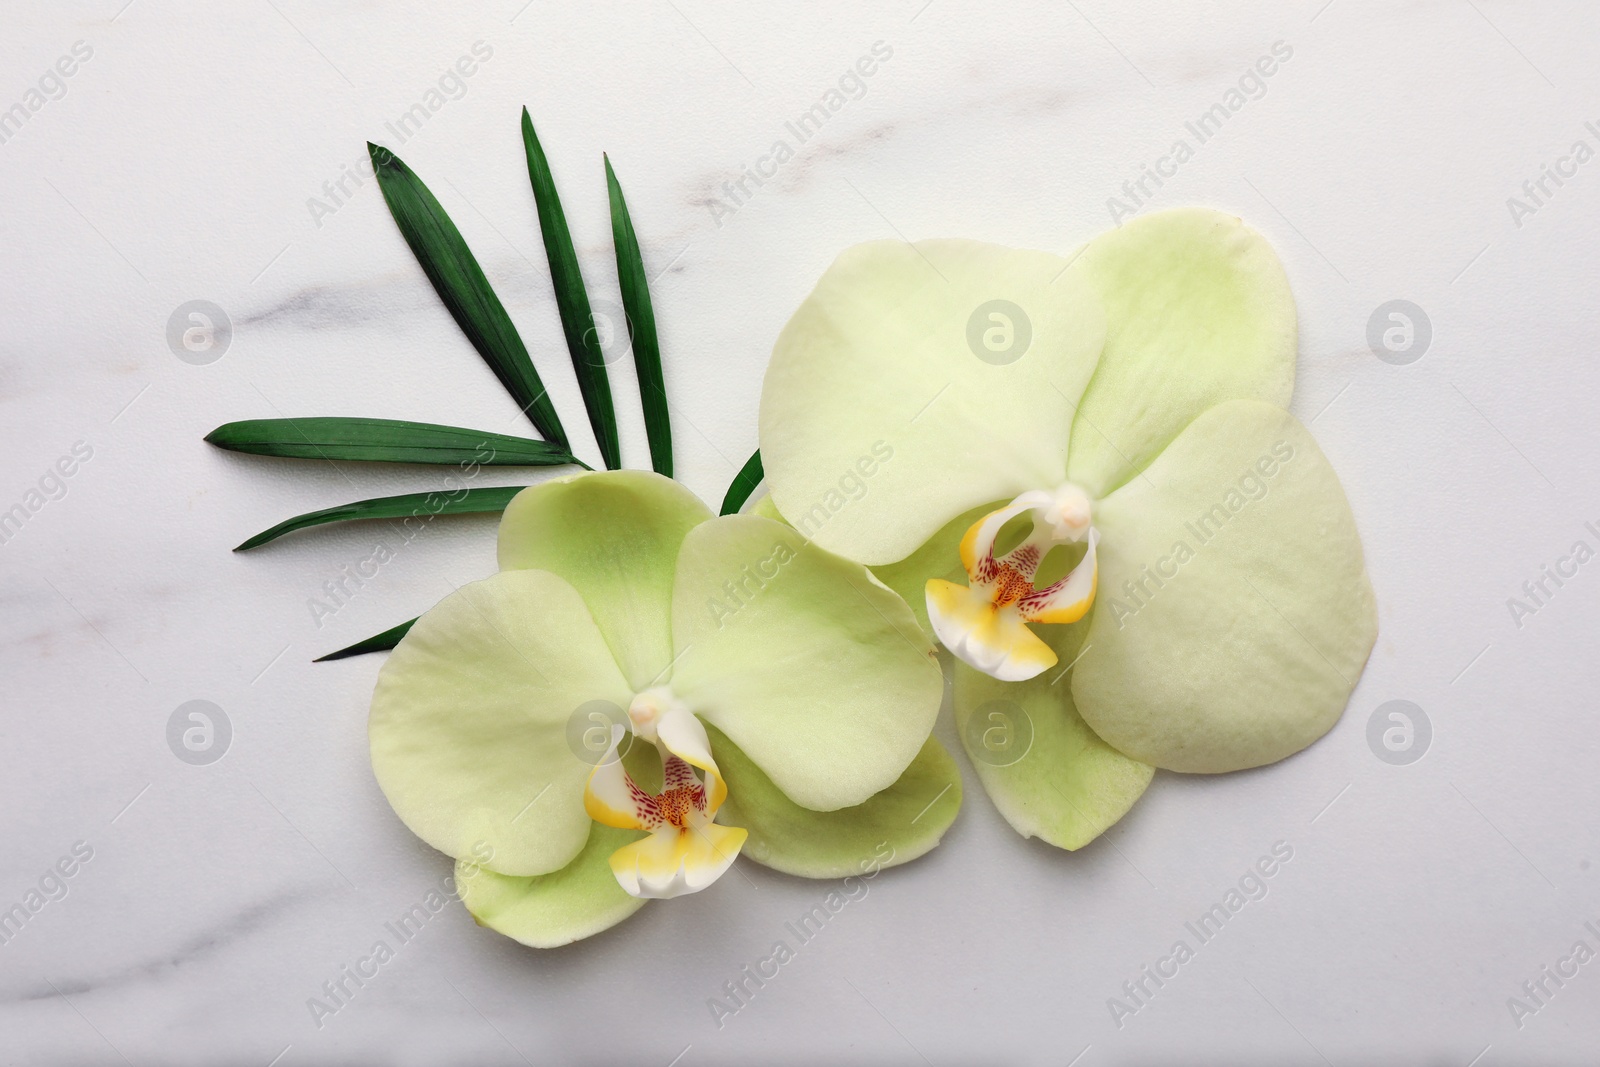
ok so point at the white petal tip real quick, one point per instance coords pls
(674, 863)
(998, 644)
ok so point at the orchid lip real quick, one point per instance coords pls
(686, 850)
(985, 623)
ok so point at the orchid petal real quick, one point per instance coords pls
(1235, 614)
(1047, 772)
(816, 670)
(909, 577)
(614, 537)
(892, 827)
(548, 910)
(883, 414)
(469, 719)
(1198, 311)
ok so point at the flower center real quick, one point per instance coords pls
(685, 850)
(984, 623)
(1012, 585)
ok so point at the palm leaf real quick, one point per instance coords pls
(744, 483)
(641, 328)
(376, 643)
(384, 441)
(577, 320)
(455, 274)
(408, 505)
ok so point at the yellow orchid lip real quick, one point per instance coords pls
(985, 623)
(686, 850)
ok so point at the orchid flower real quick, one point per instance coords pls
(644, 691)
(1095, 500)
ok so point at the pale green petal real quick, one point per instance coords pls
(468, 727)
(1049, 775)
(880, 421)
(1247, 649)
(813, 668)
(547, 910)
(893, 827)
(1198, 311)
(614, 536)
(938, 558)
(580, 900)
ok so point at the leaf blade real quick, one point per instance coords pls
(572, 300)
(744, 483)
(641, 327)
(458, 279)
(376, 643)
(410, 505)
(383, 441)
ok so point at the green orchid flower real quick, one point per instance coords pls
(1094, 498)
(642, 692)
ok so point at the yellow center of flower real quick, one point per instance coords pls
(685, 850)
(1011, 585)
(985, 622)
(676, 803)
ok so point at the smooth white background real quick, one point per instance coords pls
(178, 166)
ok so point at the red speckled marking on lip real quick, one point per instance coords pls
(681, 794)
(675, 805)
(1025, 558)
(1021, 561)
(1011, 585)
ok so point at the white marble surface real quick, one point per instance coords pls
(177, 165)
